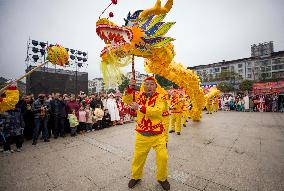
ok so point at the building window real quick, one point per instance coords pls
(240, 65)
(264, 62)
(268, 68)
(248, 64)
(217, 69)
(249, 69)
(276, 61)
(266, 75)
(225, 68)
(278, 67)
(249, 75)
(262, 69)
(278, 74)
(240, 71)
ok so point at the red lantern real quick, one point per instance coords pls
(114, 2)
(110, 14)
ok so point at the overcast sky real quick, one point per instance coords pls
(206, 31)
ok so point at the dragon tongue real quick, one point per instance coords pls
(114, 34)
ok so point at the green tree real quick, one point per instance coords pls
(165, 83)
(246, 85)
(210, 77)
(111, 91)
(224, 75)
(124, 84)
(2, 85)
(225, 86)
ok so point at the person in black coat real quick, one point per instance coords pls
(96, 103)
(58, 112)
(106, 122)
(26, 109)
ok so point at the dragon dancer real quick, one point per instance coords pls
(215, 104)
(209, 105)
(150, 106)
(176, 113)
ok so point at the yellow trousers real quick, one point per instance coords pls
(215, 107)
(184, 117)
(143, 145)
(209, 108)
(176, 122)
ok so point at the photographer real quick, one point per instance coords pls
(40, 109)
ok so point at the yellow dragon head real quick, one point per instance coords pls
(142, 35)
(143, 31)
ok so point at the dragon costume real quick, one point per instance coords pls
(143, 35)
(10, 99)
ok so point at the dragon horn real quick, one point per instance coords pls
(169, 5)
(157, 9)
(158, 4)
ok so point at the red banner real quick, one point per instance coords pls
(268, 87)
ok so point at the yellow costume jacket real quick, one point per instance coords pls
(176, 104)
(150, 114)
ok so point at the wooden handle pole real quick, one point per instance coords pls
(25, 75)
(133, 75)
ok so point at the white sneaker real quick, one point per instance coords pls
(88, 131)
(1, 150)
(19, 149)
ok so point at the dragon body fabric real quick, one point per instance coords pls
(10, 100)
(143, 35)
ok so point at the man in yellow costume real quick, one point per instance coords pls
(209, 105)
(176, 113)
(150, 106)
(215, 103)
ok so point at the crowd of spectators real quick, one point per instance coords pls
(56, 115)
(256, 103)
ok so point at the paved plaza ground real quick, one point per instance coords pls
(225, 151)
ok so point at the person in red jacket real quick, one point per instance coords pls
(72, 104)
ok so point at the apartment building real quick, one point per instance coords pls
(263, 64)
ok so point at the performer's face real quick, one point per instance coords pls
(150, 87)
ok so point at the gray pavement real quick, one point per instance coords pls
(225, 151)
